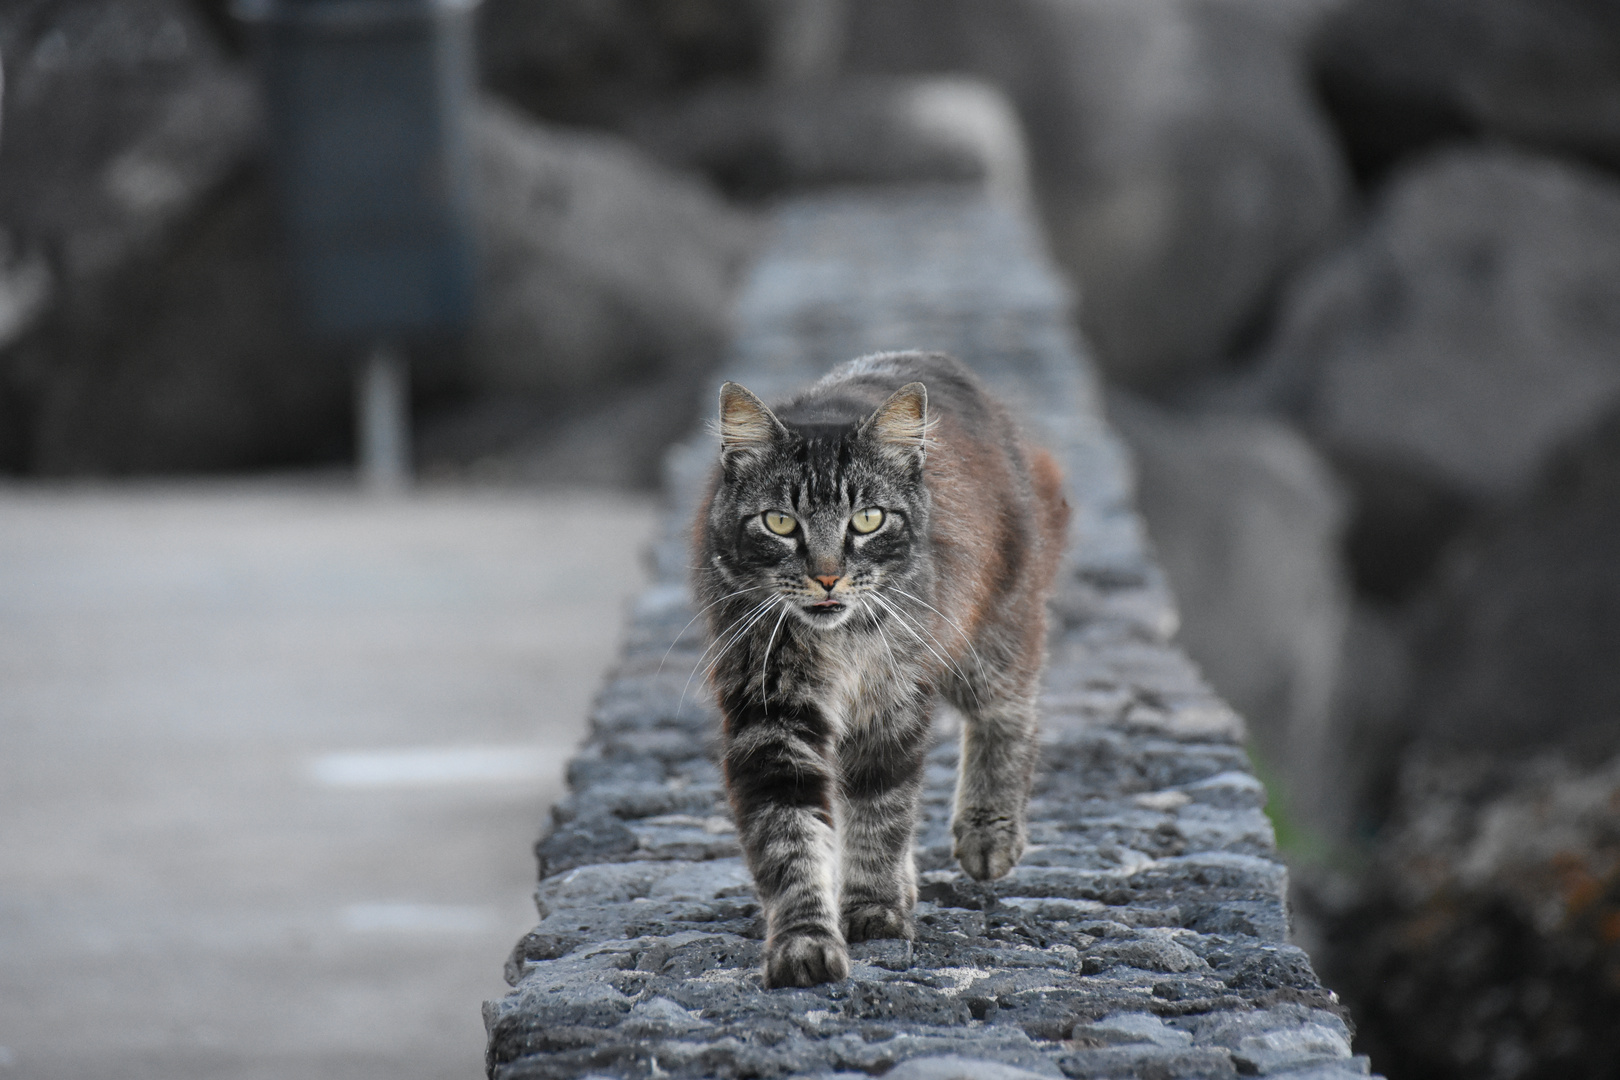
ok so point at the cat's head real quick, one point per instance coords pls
(824, 516)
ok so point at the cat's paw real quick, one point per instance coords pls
(988, 849)
(805, 959)
(867, 922)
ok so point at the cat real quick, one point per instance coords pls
(882, 538)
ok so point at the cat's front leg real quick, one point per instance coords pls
(781, 788)
(880, 784)
(992, 791)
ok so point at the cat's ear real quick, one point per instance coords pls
(745, 422)
(900, 425)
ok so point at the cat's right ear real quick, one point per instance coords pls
(746, 424)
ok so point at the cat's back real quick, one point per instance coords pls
(853, 389)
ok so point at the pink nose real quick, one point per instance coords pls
(827, 580)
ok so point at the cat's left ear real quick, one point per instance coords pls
(746, 423)
(900, 425)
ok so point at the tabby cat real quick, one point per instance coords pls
(882, 538)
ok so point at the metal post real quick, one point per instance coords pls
(382, 412)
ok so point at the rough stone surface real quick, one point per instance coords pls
(1448, 350)
(1145, 932)
(1248, 522)
(1182, 165)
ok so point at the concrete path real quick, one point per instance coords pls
(271, 761)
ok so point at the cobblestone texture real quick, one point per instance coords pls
(1145, 932)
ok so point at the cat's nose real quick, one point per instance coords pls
(828, 580)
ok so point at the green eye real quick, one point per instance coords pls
(864, 521)
(779, 523)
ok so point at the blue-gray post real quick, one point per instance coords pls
(368, 115)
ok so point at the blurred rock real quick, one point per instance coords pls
(1484, 940)
(1247, 521)
(1487, 939)
(613, 438)
(201, 371)
(1520, 648)
(1444, 354)
(1182, 165)
(1401, 75)
(601, 61)
(121, 118)
(600, 265)
(761, 141)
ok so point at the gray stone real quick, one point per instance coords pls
(1248, 522)
(598, 61)
(761, 141)
(1144, 933)
(1447, 351)
(122, 118)
(1402, 75)
(1516, 651)
(1182, 165)
(599, 265)
(1464, 334)
(1484, 934)
(199, 368)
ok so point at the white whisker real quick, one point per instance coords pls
(764, 665)
(699, 615)
(725, 641)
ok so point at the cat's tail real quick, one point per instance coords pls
(1047, 480)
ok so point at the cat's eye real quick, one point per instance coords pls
(865, 521)
(779, 523)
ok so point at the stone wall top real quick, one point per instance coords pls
(1145, 932)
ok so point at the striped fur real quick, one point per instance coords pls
(831, 646)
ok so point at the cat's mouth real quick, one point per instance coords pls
(825, 607)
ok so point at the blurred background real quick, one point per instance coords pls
(1351, 269)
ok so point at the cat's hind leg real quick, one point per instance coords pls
(999, 748)
(880, 785)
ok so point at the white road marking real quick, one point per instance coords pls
(437, 766)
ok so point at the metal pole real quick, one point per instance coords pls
(382, 410)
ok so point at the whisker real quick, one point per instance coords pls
(724, 640)
(913, 630)
(966, 638)
(764, 665)
(699, 615)
(878, 626)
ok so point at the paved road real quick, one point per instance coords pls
(271, 759)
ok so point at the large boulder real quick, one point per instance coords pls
(125, 122)
(201, 370)
(600, 264)
(1247, 521)
(601, 61)
(1182, 165)
(1400, 75)
(1486, 940)
(1444, 354)
(761, 141)
(1522, 630)
(600, 267)
(122, 117)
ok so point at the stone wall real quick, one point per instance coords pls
(1144, 934)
